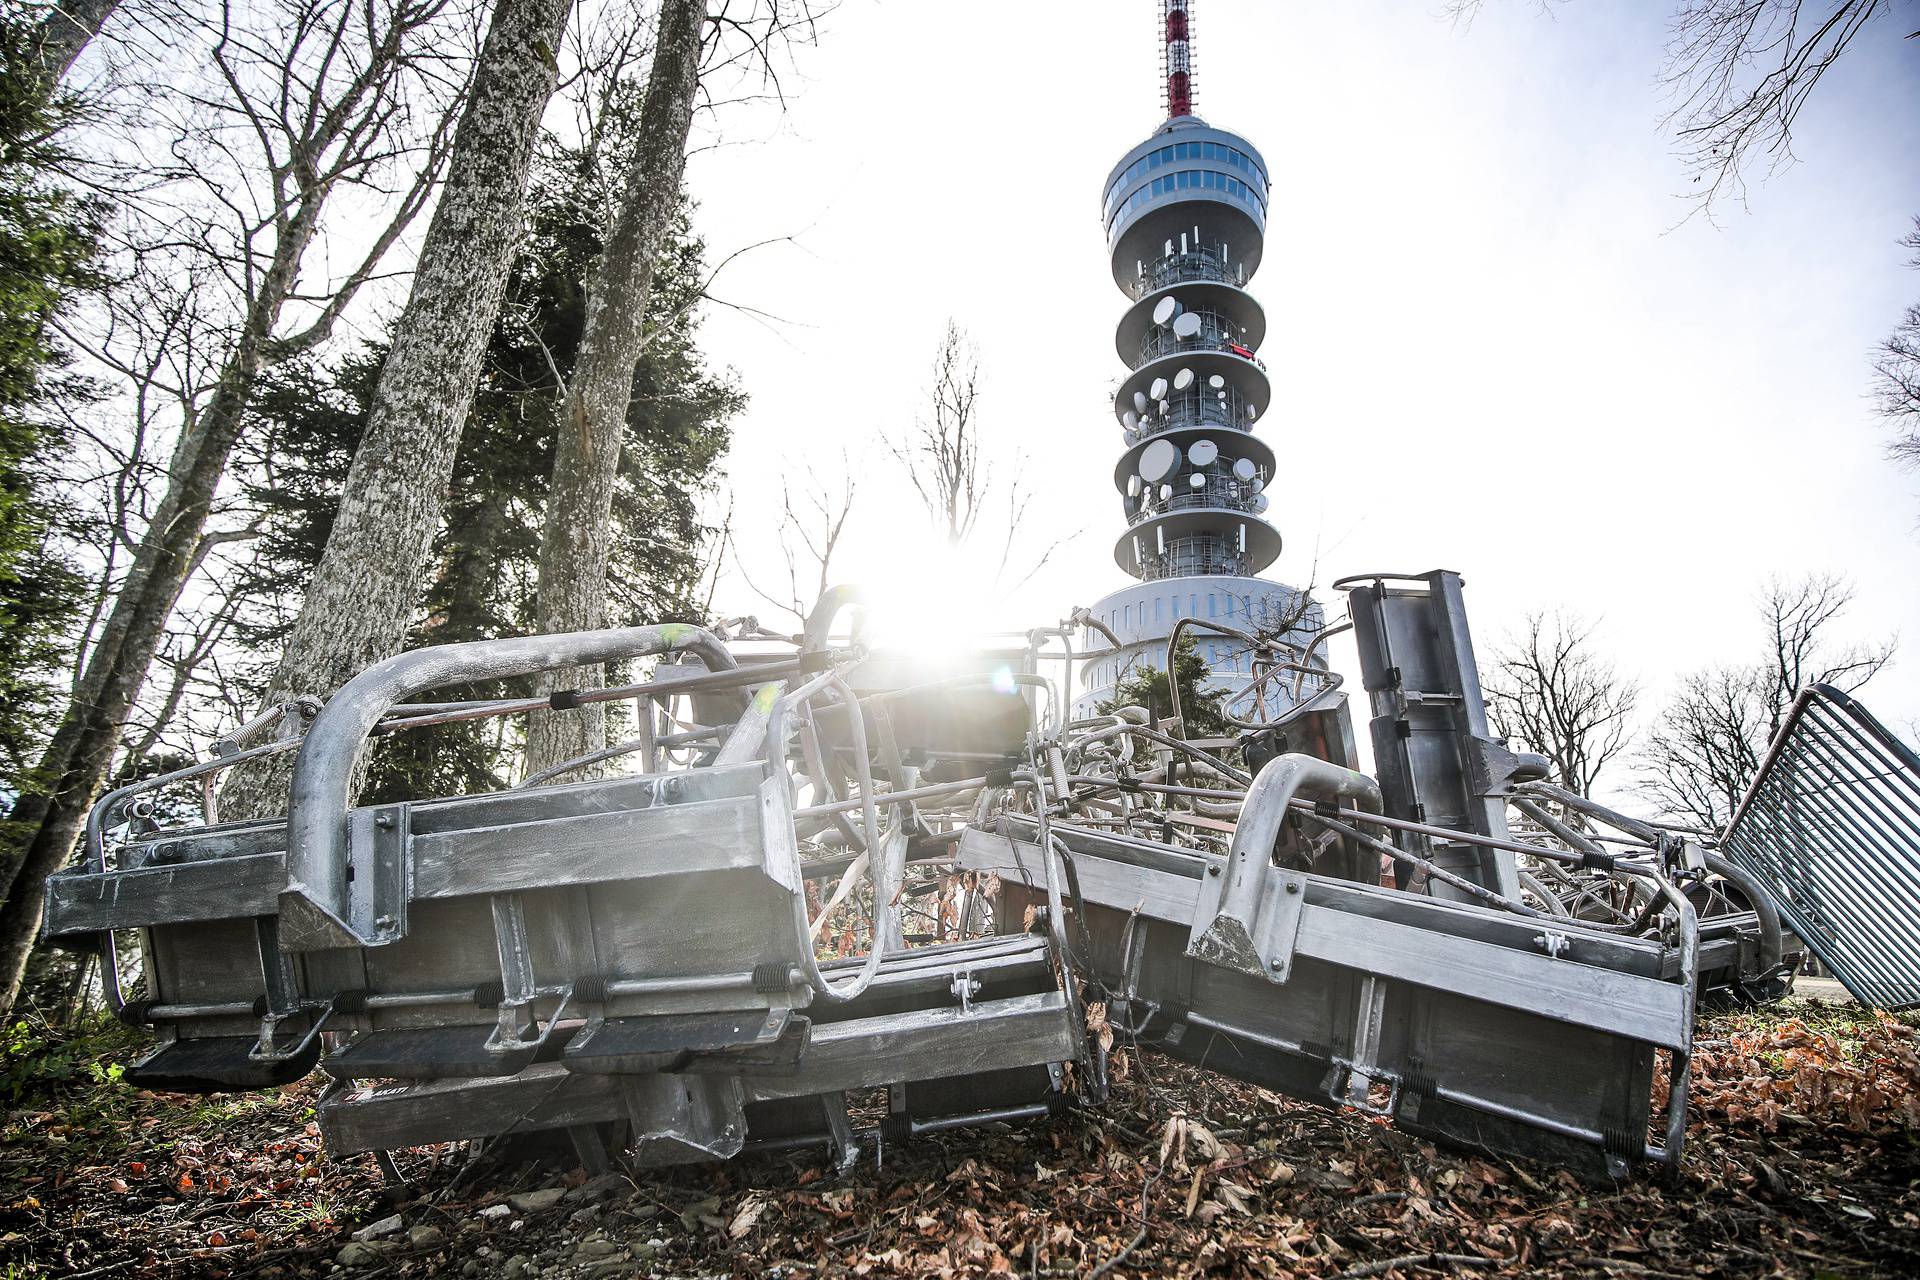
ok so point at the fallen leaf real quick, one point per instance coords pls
(747, 1215)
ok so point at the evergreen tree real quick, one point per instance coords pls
(311, 418)
(48, 238)
(1200, 707)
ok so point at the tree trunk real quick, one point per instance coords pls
(66, 30)
(593, 422)
(367, 584)
(46, 820)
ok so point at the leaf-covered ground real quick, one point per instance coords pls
(1802, 1161)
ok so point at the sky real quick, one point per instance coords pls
(1499, 344)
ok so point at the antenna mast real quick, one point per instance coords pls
(1176, 56)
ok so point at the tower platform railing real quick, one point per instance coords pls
(1200, 406)
(1221, 494)
(1195, 266)
(1215, 335)
(1193, 558)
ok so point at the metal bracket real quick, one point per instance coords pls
(1492, 770)
(379, 868)
(964, 987)
(1261, 947)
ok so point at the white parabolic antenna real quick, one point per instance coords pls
(1133, 486)
(1203, 453)
(1182, 380)
(1166, 493)
(1140, 401)
(1186, 325)
(1217, 382)
(1260, 503)
(1158, 391)
(1196, 481)
(1165, 310)
(1243, 468)
(1158, 460)
(1130, 420)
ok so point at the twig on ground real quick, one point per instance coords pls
(1385, 1265)
(1119, 1257)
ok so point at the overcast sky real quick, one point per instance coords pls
(1497, 344)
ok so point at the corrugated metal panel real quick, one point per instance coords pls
(1831, 825)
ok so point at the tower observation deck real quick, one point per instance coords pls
(1185, 213)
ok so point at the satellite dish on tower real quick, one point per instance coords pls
(1158, 460)
(1243, 469)
(1203, 453)
(1140, 401)
(1164, 311)
(1217, 382)
(1158, 391)
(1260, 503)
(1186, 324)
(1130, 420)
(1133, 486)
(1182, 380)
(1166, 493)
(1196, 481)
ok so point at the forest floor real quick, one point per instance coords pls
(1801, 1161)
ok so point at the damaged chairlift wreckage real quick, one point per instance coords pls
(637, 958)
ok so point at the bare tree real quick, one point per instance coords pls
(942, 457)
(956, 484)
(1799, 615)
(1706, 745)
(1897, 372)
(576, 535)
(811, 531)
(309, 99)
(1550, 690)
(1710, 737)
(367, 585)
(1740, 73)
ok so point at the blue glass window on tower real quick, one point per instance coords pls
(1190, 178)
(1218, 152)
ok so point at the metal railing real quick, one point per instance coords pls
(1216, 334)
(1221, 493)
(1831, 827)
(1195, 265)
(1199, 406)
(1191, 557)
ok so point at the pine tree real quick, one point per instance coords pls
(311, 418)
(1200, 707)
(48, 238)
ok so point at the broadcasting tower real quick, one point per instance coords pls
(1186, 213)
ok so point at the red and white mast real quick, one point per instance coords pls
(1176, 56)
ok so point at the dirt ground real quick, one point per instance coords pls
(1801, 1162)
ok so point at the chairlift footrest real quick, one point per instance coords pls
(688, 1041)
(428, 1053)
(218, 1064)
